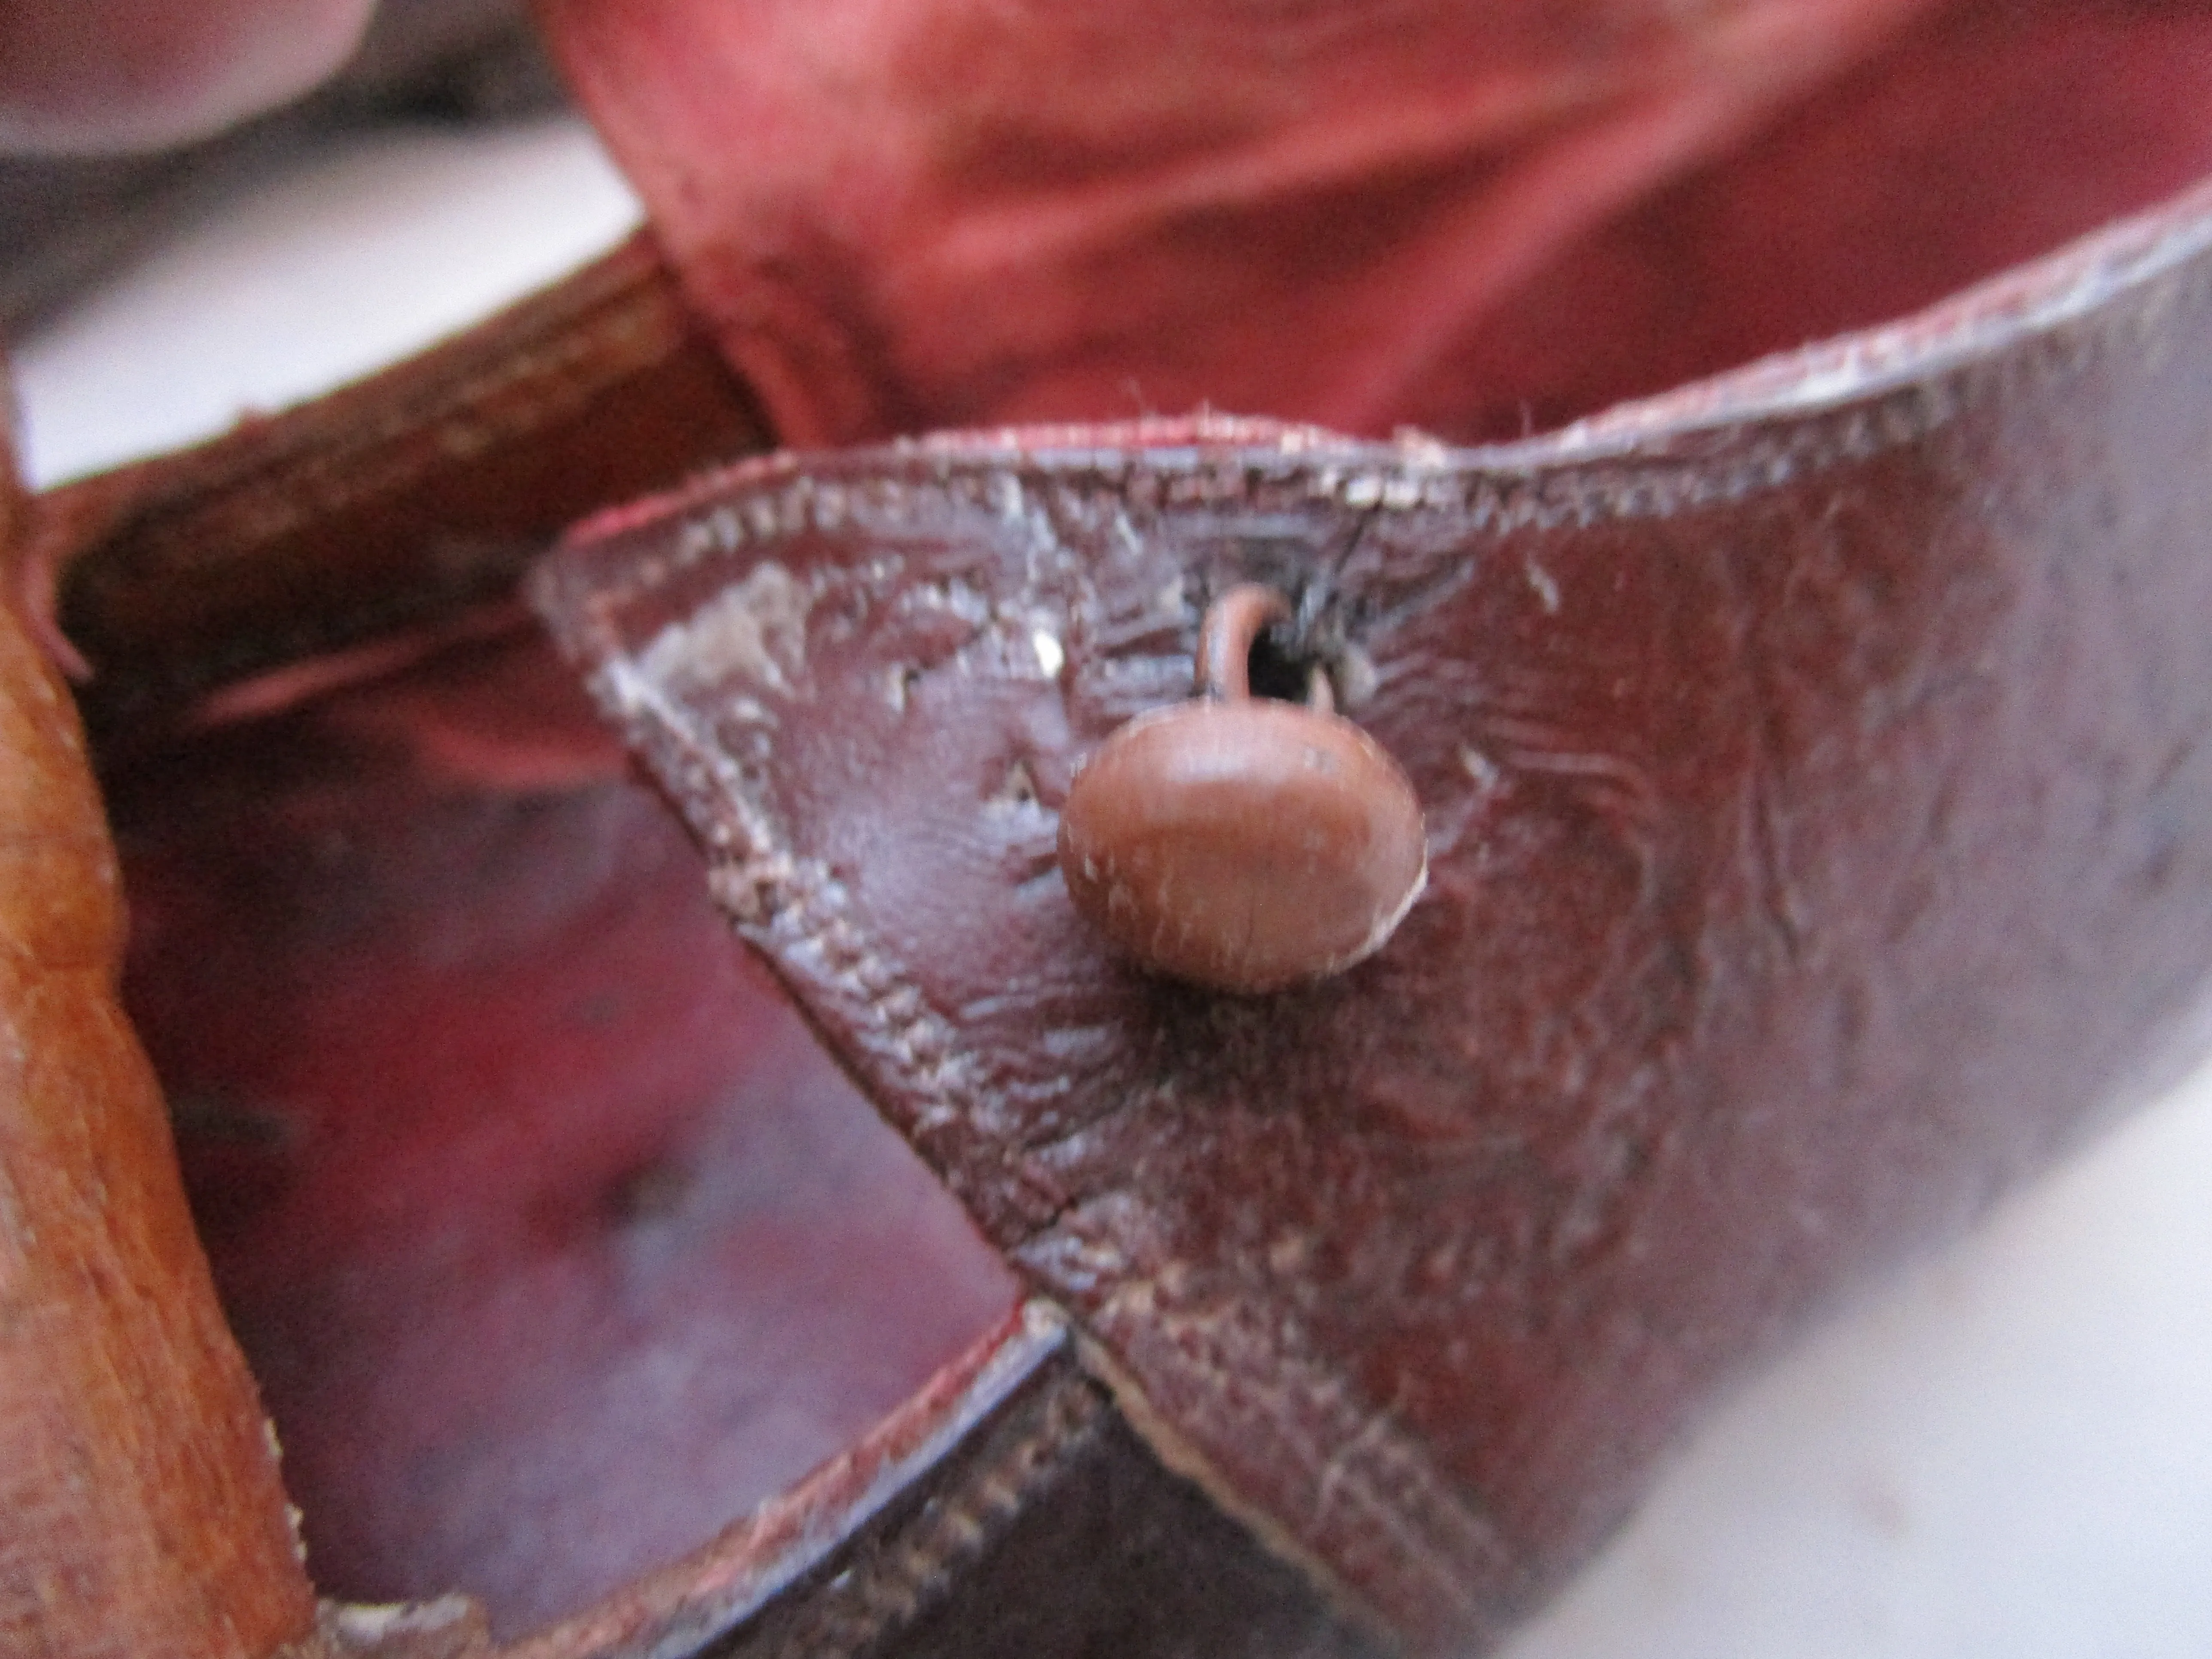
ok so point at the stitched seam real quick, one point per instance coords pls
(793, 908)
(770, 503)
(918, 1563)
(1545, 484)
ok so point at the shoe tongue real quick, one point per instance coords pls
(944, 213)
(1481, 220)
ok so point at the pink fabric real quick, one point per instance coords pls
(906, 214)
(554, 1239)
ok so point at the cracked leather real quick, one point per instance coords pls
(1820, 833)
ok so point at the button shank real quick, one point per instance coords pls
(1243, 844)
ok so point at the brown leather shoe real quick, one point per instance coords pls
(1816, 829)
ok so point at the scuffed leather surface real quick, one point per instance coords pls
(1484, 219)
(140, 1511)
(1814, 776)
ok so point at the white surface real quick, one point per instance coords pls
(2009, 1454)
(305, 278)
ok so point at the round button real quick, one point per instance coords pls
(1241, 844)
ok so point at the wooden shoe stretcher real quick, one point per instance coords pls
(1808, 758)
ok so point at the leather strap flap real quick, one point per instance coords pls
(1816, 819)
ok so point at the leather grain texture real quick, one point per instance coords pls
(1818, 806)
(141, 1516)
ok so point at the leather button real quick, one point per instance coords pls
(1241, 844)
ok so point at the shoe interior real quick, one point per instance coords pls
(553, 1238)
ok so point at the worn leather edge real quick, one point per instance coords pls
(141, 1514)
(425, 487)
(1839, 398)
(1724, 441)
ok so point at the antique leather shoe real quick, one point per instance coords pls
(1809, 750)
